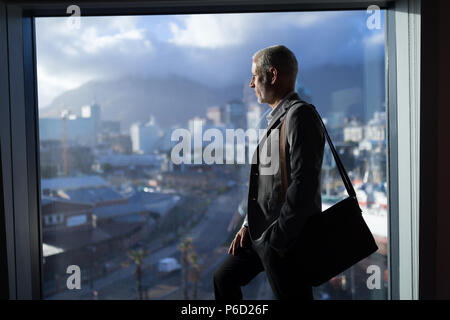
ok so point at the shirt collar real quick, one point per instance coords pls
(274, 110)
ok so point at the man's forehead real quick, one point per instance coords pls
(253, 67)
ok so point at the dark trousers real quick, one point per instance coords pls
(283, 275)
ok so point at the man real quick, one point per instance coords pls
(267, 239)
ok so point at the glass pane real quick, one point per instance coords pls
(145, 126)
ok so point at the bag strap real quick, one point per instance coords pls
(283, 164)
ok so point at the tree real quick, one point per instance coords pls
(138, 256)
(195, 272)
(185, 248)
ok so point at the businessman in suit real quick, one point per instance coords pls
(269, 235)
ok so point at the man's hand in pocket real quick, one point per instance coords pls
(241, 240)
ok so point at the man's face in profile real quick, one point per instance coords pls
(262, 88)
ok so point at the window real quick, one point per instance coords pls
(112, 94)
(33, 157)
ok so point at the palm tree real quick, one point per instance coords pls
(137, 256)
(195, 273)
(185, 248)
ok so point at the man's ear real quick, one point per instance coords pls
(274, 75)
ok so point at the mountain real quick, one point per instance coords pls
(345, 88)
(171, 100)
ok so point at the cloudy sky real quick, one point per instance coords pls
(214, 49)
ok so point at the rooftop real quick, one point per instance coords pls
(70, 183)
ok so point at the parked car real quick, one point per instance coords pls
(167, 265)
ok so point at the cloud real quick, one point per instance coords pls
(207, 31)
(215, 50)
(93, 43)
(69, 57)
(49, 84)
(376, 39)
(93, 35)
(221, 30)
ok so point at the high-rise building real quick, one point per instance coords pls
(215, 114)
(144, 137)
(344, 103)
(374, 81)
(236, 114)
(254, 114)
(80, 131)
(196, 125)
(93, 111)
(110, 127)
(376, 128)
(353, 131)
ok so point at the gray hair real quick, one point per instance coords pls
(279, 57)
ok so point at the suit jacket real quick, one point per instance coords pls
(273, 219)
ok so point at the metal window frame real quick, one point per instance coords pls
(406, 95)
(20, 140)
(7, 224)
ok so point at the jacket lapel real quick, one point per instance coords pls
(279, 115)
(293, 97)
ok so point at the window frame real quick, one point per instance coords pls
(20, 132)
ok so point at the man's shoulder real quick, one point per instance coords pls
(303, 117)
(300, 108)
